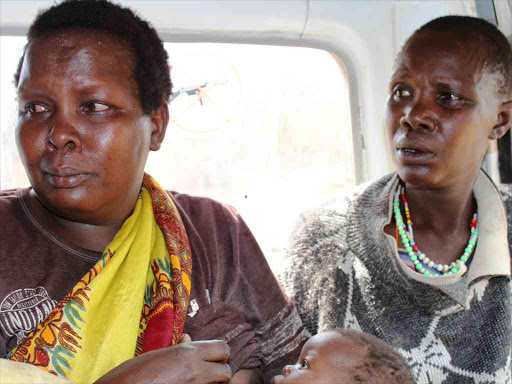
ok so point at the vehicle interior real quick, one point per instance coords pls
(275, 104)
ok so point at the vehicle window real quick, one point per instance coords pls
(265, 129)
(12, 173)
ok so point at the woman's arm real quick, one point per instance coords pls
(189, 363)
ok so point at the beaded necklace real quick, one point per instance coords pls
(419, 259)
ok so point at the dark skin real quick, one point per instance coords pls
(444, 106)
(84, 141)
(328, 358)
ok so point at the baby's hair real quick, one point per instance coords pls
(151, 70)
(383, 361)
(479, 31)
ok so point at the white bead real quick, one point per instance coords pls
(439, 267)
(453, 264)
(445, 268)
(415, 262)
(459, 261)
(431, 264)
(421, 256)
(426, 260)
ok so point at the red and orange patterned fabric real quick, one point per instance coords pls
(134, 300)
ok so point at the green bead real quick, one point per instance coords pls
(464, 258)
(418, 266)
(468, 250)
(453, 270)
(414, 258)
(426, 273)
(401, 231)
(408, 249)
(472, 242)
(457, 266)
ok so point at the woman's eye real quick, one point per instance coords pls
(304, 365)
(453, 100)
(400, 93)
(36, 108)
(449, 97)
(96, 107)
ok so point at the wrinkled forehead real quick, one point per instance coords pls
(81, 46)
(86, 54)
(455, 50)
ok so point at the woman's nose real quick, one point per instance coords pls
(287, 370)
(419, 116)
(64, 136)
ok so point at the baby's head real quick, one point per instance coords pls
(346, 356)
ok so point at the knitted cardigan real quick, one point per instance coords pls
(342, 271)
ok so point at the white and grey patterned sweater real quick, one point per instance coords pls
(342, 271)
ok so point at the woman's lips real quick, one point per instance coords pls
(411, 155)
(67, 180)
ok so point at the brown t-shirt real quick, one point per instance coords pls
(234, 294)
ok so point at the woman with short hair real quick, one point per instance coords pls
(420, 258)
(106, 276)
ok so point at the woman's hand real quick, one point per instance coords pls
(187, 362)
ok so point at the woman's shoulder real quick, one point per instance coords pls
(199, 206)
(363, 199)
(9, 199)
(7, 195)
(209, 218)
(333, 224)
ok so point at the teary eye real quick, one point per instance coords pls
(94, 107)
(452, 100)
(401, 92)
(36, 108)
(449, 96)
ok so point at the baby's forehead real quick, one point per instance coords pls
(335, 345)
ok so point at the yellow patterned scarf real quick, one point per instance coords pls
(133, 300)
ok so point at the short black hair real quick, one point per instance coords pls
(479, 31)
(151, 69)
(383, 363)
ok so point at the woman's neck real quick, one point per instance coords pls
(443, 211)
(89, 236)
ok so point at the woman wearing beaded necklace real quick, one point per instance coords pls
(420, 258)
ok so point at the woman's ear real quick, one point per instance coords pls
(159, 120)
(503, 121)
